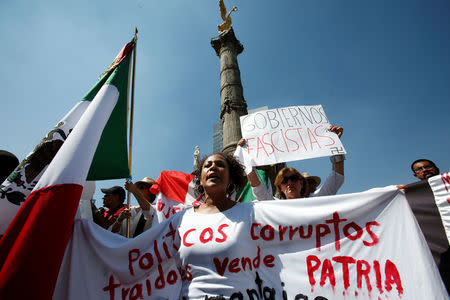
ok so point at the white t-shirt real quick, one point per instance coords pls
(208, 252)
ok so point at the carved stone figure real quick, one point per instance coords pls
(196, 156)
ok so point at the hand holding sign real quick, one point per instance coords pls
(288, 134)
(338, 130)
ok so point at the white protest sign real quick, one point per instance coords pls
(440, 184)
(287, 134)
(356, 246)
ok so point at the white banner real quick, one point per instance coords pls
(287, 134)
(440, 185)
(356, 246)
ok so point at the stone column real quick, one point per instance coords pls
(233, 105)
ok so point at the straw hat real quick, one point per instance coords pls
(147, 180)
(315, 178)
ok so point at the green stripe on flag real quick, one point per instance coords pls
(111, 157)
(247, 195)
(94, 90)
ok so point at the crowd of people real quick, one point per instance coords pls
(289, 184)
(218, 179)
(220, 176)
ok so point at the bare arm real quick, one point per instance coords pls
(143, 203)
(339, 167)
(337, 160)
(97, 216)
(116, 225)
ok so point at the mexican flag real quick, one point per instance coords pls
(246, 195)
(32, 248)
(110, 160)
(174, 192)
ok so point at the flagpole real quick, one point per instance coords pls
(130, 142)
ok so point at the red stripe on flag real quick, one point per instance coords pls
(173, 184)
(124, 52)
(32, 248)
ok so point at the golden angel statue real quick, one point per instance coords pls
(225, 17)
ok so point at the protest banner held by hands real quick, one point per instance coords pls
(288, 134)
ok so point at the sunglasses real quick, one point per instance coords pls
(293, 178)
(423, 168)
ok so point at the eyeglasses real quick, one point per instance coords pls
(293, 178)
(143, 186)
(423, 168)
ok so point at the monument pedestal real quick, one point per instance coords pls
(233, 104)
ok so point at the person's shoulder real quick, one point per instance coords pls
(120, 209)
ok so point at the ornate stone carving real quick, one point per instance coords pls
(196, 157)
(227, 40)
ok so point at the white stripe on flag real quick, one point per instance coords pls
(93, 120)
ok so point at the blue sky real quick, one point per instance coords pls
(380, 69)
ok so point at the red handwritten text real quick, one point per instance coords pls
(365, 273)
(138, 290)
(206, 235)
(351, 230)
(288, 140)
(239, 264)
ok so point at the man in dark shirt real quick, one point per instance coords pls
(421, 200)
(113, 201)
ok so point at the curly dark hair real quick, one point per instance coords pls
(237, 173)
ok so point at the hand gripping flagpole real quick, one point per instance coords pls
(130, 141)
